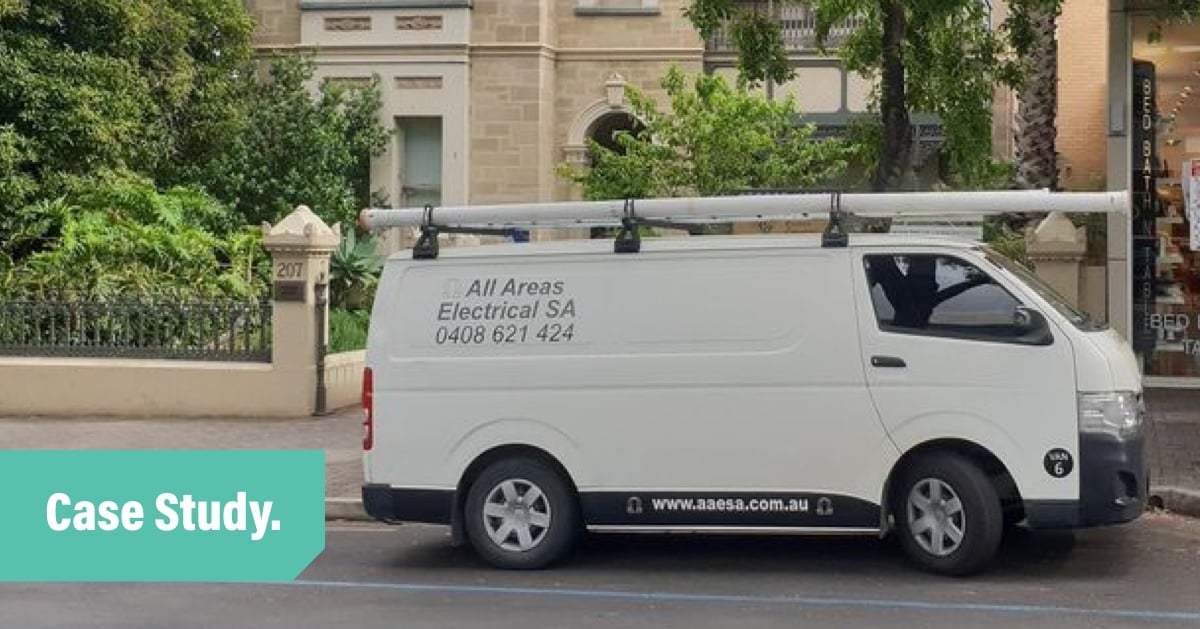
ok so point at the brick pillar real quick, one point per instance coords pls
(300, 246)
(1057, 249)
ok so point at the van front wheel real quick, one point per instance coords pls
(521, 515)
(949, 515)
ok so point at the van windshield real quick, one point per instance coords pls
(1079, 318)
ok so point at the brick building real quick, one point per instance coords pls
(1082, 120)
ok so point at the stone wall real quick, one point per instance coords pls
(509, 160)
(668, 29)
(344, 378)
(507, 21)
(536, 68)
(277, 22)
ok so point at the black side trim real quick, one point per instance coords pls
(768, 509)
(391, 504)
(1113, 483)
(1052, 514)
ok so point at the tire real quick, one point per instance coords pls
(942, 496)
(513, 531)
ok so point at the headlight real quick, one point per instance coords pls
(1118, 413)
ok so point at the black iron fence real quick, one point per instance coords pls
(135, 328)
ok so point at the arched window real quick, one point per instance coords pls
(604, 130)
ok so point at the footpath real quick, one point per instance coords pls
(338, 434)
(1173, 444)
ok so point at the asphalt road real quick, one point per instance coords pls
(1143, 575)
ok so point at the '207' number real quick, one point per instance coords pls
(289, 270)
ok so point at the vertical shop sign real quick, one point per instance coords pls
(1191, 198)
(1144, 245)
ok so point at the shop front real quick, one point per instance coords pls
(1154, 151)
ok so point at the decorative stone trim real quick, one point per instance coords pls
(575, 155)
(582, 125)
(418, 82)
(617, 11)
(617, 7)
(343, 24)
(345, 5)
(418, 22)
(614, 90)
(349, 82)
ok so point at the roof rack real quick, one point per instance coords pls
(694, 212)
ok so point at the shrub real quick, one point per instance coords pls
(348, 330)
(354, 271)
(125, 237)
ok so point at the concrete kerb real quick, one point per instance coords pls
(345, 509)
(1177, 500)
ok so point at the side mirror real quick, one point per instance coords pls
(1032, 327)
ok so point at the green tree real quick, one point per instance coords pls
(16, 185)
(122, 236)
(11, 7)
(715, 139)
(936, 56)
(1036, 44)
(1171, 11)
(299, 149)
(150, 86)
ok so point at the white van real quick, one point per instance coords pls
(526, 393)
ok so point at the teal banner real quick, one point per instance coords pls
(160, 515)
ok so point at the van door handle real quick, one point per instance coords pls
(887, 361)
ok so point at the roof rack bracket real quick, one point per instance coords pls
(835, 234)
(427, 244)
(629, 240)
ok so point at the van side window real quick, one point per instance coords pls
(939, 296)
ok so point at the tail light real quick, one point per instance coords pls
(368, 404)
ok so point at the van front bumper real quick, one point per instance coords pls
(396, 504)
(1113, 487)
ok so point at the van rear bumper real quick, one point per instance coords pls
(1113, 487)
(395, 504)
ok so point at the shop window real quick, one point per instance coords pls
(1165, 187)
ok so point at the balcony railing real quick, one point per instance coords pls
(799, 29)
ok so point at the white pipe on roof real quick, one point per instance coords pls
(750, 208)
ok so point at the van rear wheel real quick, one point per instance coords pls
(521, 515)
(949, 514)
